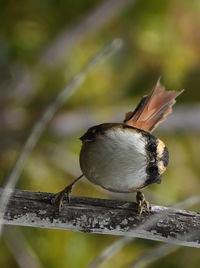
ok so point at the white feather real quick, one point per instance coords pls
(116, 160)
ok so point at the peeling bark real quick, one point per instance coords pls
(112, 217)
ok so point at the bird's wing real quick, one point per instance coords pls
(152, 109)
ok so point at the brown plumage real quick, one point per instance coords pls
(152, 109)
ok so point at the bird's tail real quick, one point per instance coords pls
(152, 109)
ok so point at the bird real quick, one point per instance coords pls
(126, 157)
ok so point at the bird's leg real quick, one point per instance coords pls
(65, 192)
(142, 203)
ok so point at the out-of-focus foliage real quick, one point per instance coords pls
(162, 38)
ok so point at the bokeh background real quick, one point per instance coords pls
(43, 44)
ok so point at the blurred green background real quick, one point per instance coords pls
(43, 44)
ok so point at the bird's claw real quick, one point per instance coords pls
(142, 203)
(58, 199)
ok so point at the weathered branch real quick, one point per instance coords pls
(116, 246)
(91, 215)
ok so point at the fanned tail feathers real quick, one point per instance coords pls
(152, 109)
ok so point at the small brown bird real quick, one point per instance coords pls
(126, 157)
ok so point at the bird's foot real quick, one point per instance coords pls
(142, 203)
(58, 199)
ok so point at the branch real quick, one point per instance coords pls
(116, 246)
(112, 217)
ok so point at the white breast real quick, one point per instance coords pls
(116, 160)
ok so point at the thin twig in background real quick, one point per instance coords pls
(107, 253)
(154, 254)
(188, 202)
(93, 20)
(111, 250)
(41, 124)
(19, 247)
(59, 47)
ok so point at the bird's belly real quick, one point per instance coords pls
(115, 161)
